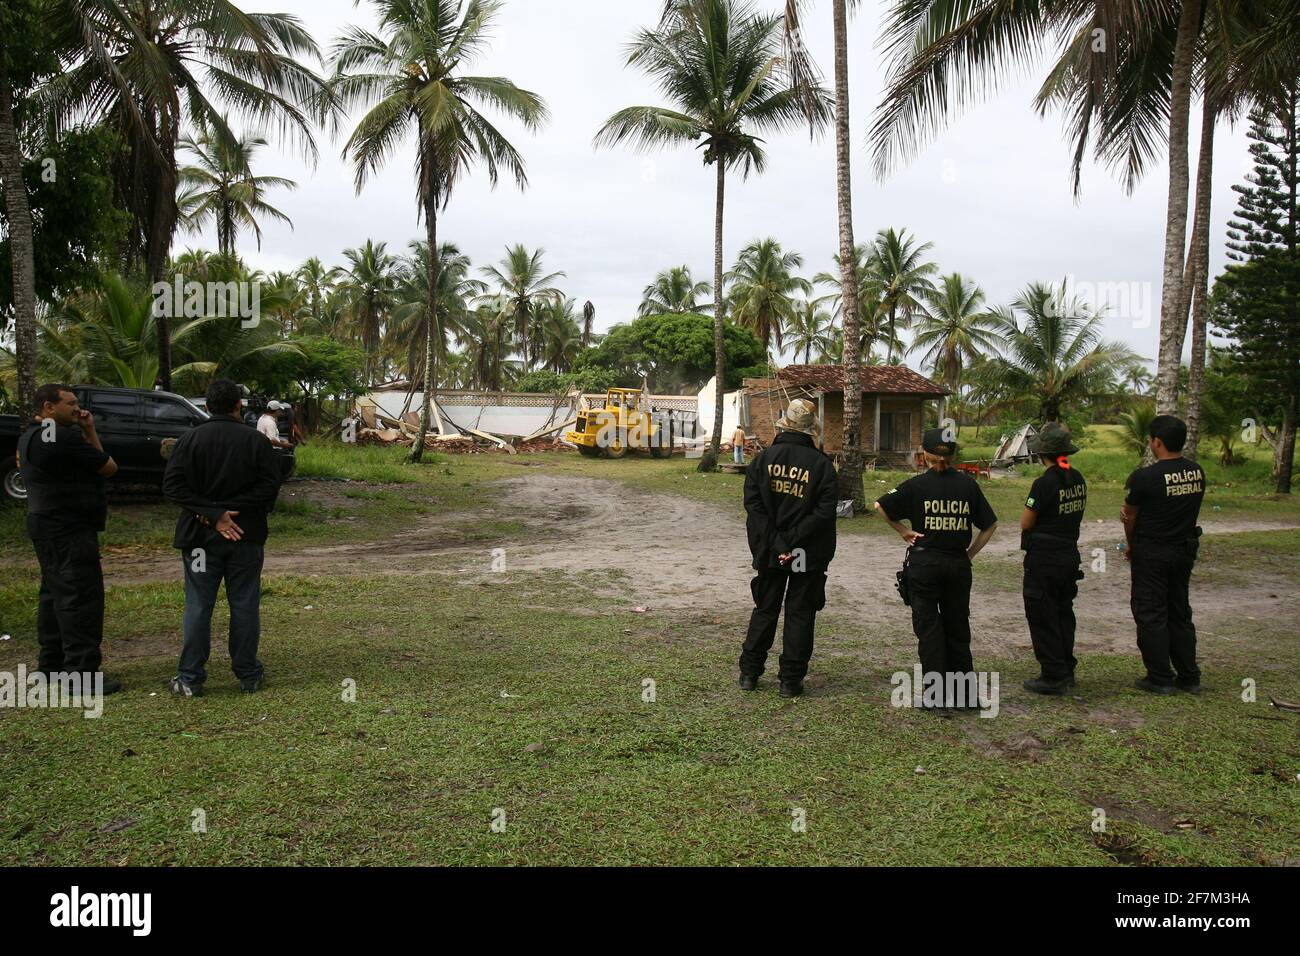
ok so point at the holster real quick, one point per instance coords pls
(901, 580)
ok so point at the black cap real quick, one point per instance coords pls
(938, 441)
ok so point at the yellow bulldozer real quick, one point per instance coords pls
(619, 426)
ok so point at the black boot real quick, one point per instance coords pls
(1048, 688)
(1151, 687)
(748, 682)
(790, 688)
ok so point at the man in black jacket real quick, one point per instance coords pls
(63, 464)
(790, 497)
(225, 477)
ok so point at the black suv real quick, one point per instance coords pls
(132, 423)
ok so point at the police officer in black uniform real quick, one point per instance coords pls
(790, 495)
(942, 506)
(1049, 536)
(63, 464)
(1161, 506)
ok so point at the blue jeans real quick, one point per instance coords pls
(240, 566)
(738, 454)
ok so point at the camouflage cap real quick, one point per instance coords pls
(1054, 441)
(801, 416)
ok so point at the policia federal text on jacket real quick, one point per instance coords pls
(790, 496)
(1049, 536)
(1161, 506)
(942, 506)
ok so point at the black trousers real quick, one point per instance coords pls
(803, 595)
(1050, 587)
(939, 586)
(70, 612)
(1162, 611)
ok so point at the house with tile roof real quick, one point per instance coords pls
(896, 404)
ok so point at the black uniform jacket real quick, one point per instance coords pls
(222, 465)
(791, 490)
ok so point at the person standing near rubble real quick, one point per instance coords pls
(790, 495)
(63, 464)
(225, 477)
(738, 446)
(1049, 536)
(942, 505)
(1162, 504)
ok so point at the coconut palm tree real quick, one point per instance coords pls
(410, 76)
(673, 292)
(810, 329)
(487, 345)
(763, 290)
(1247, 49)
(953, 328)
(522, 283)
(588, 323)
(411, 316)
(370, 284)
(148, 68)
(317, 282)
(220, 187)
(902, 278)
(560, 338)
(804, 74)
(719, 64)
(946, 54)
(1052, 352)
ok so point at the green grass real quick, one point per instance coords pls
(479, 695)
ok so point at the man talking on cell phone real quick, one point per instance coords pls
(225, 477)
(63, 464)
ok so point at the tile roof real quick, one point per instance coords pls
(876, 379)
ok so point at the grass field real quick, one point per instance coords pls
(524, 697)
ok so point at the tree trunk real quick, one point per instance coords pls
(431, 331)
(1173, 326)
(1199, 280)
(162, 227)
(710, 460)
(850, 477)
(1285, 456)
(22, 251)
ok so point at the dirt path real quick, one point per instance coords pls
(685, 555)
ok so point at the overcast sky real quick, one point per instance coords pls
(992, 193)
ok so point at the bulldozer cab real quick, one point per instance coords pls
(623, 398)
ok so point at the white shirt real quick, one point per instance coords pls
(269, 427)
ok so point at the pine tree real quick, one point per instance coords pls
(1257, 299)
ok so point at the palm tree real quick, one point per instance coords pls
(804, 75)
(902, 276)
(953, 328)
(763, 287)
(673, 293)
(148, 68)
(317, 283)
(588, 323)
(810, 329)
(221, 187)
(411, 316)
(487, 344)
(370, 283)
(719, 64)
(410, 77)
(522, 284)
(1052, 352)
(560, 338)
(1246, 51)
(946, 54)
